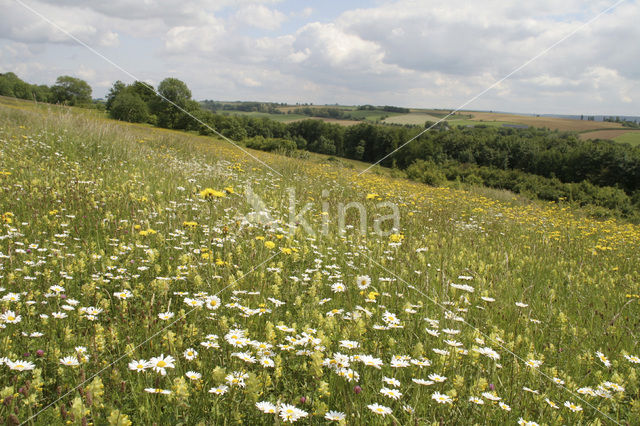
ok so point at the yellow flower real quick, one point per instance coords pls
(372, 295)
(286, 250)
(269, 244)
(189, 224)
(6, 218)
(371, 196)
(396, 238)
(209, 193)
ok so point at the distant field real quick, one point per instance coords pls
(328, 120)
(626, 136)
(632, 138)
(562, 124)
(466, 122)
(417, 118)
(373, 115)
(277, 117)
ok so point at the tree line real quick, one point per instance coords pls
(67, 90)
(540, 163)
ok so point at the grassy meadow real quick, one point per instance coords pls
(632, 137)
(138, 285)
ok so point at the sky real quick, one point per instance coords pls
(422, 54)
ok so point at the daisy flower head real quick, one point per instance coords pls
(391, 393)
(138, 365)
(551, 403)
(390, 318)
(10, 317)
(236, 378)
(70, 361)
(160, 363)
(335, 416)
(156, 390)
(491, 396)
(441, 398)
(338, 288)
(267, 362)
(194, 303)
(573, 407)
(20, 365)
(219, 390)
(166, 316)
(371, 361)
(633, 359)
(603, 359)
(123, 295)
(190, 354)
(391, 381)
(379, 409)
(266, 407)
(193, 375)
(476, 400)
(212, 303)
(291, 414)
(533, 363)
(349, 344)
(363, 281)
(399, 363)
(437, 378)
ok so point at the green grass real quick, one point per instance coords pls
(465, 122)
(97, 207)
(632, 138)
(276, 117)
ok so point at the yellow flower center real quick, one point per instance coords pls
(161, 364)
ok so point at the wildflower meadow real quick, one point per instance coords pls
(150, 276)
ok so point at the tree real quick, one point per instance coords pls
(6, 85)
(71, 91)
(174, 97)
(128, 106)
(115, 90)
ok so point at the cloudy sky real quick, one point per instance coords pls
(408, 53)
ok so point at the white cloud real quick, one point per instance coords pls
(260, 16)
(408, 52)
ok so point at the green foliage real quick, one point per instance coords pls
(71, 91)
(12, 85)
(128, 106)
(170, 106)
(284, 146)
(426, 172)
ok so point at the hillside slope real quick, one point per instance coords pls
(141, 278)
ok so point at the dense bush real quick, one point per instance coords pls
(283, 146)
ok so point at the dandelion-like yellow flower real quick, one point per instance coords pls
(210, 193)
